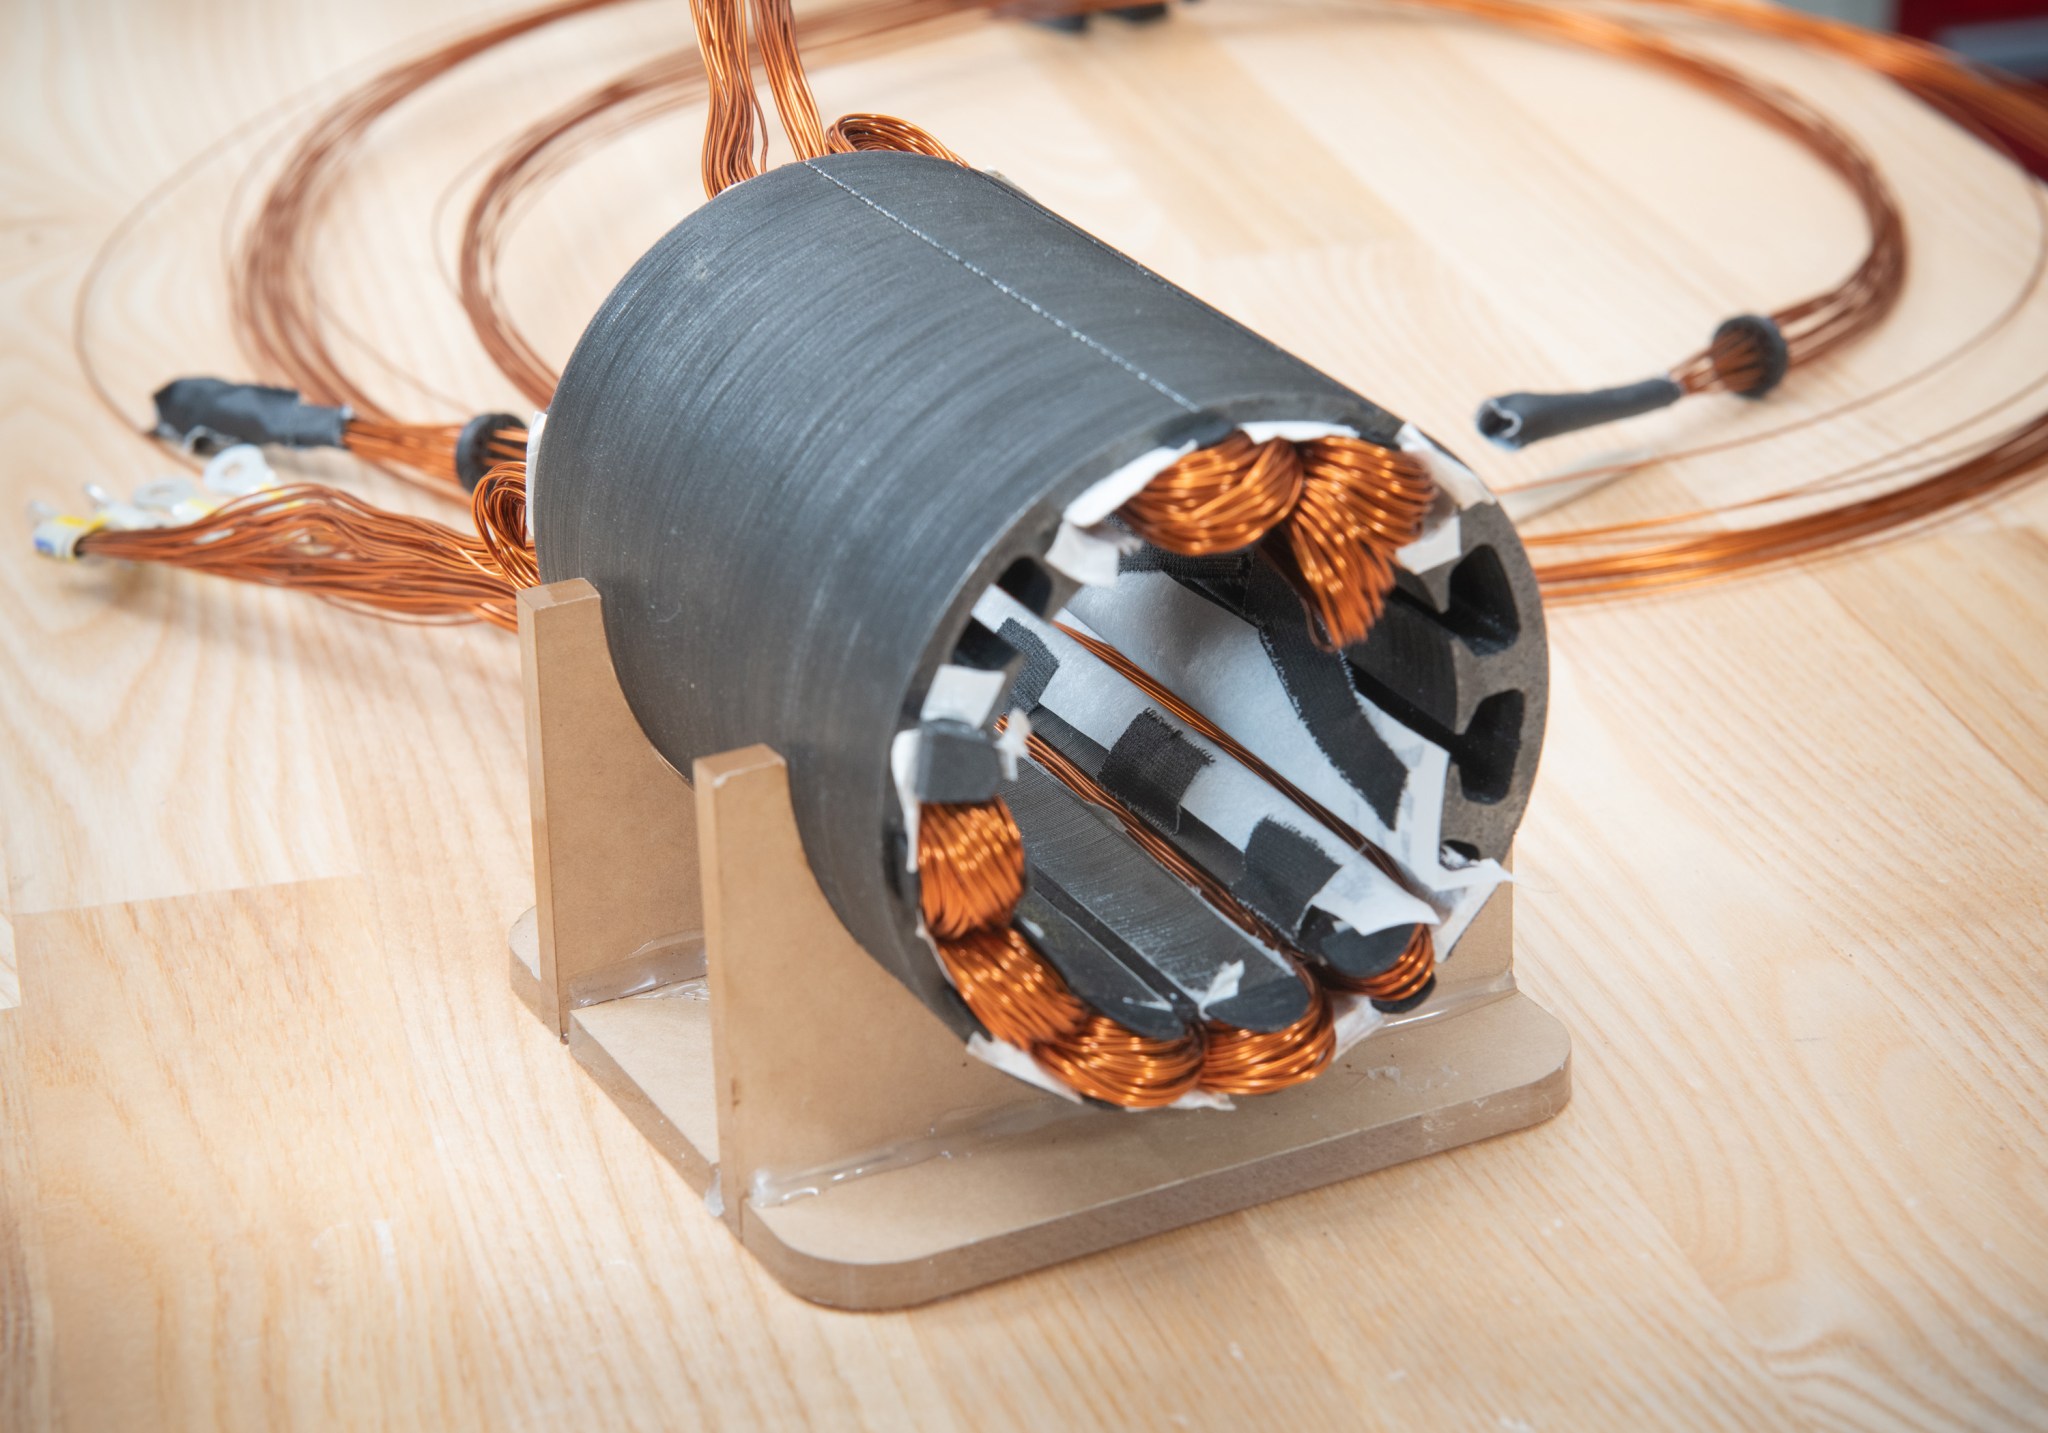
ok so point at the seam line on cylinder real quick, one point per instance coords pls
(1025, 299)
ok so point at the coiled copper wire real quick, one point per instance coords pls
(971, 874)
(1222, 498)
(1010, 987)
(1360, 504)
(1332, 512)
(1107, 1062)
(1249, 1062)
(1403, 980)
(970, 864)
(498, 508)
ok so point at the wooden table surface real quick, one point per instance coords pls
(279, 1149)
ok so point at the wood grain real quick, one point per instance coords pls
(279, 1149)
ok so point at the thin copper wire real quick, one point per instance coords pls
(883, 131)
(1813, 327)
(775, 32)
(1010, 988)
(735, 139)
(1251, 1062)
(1166, 697)
(427, 448)
(498, 508)
(1185, 711)
(1107, 1062)
(277, 312)
(323, 541)
(970, 864)
(1981, 102)
(1218, 499)
(280, 242)
(1332, 512)
(1403, 980)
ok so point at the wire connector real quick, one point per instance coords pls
(1515, 420)
(205, 415)
(56, 535)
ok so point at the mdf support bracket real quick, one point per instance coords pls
(682, 948)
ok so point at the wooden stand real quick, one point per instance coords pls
(798, 1064)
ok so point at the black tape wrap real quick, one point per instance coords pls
(1515, 420)
(823, 415)
(208, 414)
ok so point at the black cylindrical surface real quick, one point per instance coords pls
(818, 419)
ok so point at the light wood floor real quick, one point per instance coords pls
(279, 1149)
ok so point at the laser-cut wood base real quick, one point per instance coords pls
(806, 1052)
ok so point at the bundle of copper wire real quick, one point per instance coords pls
(1638, 559)
(285, 327)
(735, 140)
(970, 861)
(1245, 1062)
(1332, 512)
(1107, 1062)
(1010, 988)
(428, 448)
(323, 541)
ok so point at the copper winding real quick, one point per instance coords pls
(1107, 1062)
(1010, 987)
(1403, 980)
(971, 876)
(970, 862)
(1250, 1062)
(1218, 499)
(1238, 1061)
(498, 508)
(1331, 512)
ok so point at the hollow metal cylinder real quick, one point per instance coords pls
(822, 416)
